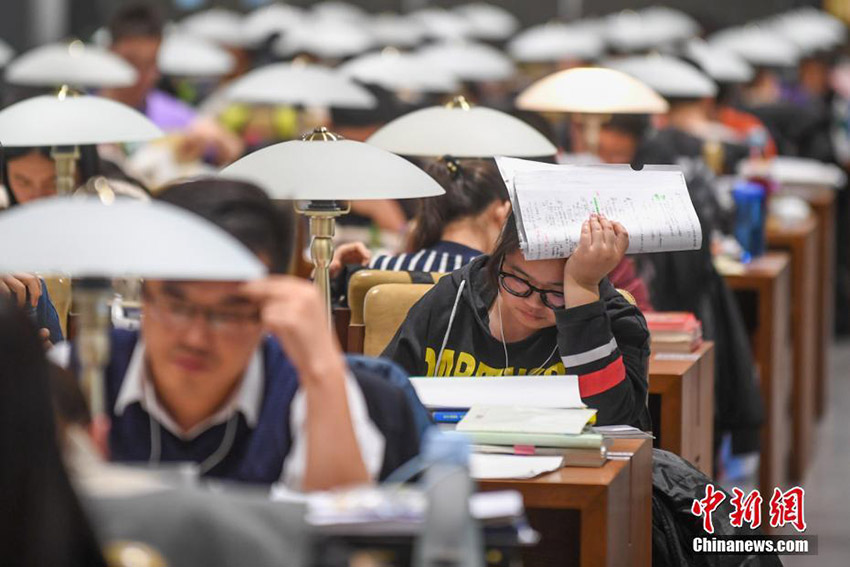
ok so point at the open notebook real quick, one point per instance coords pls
(551, 202)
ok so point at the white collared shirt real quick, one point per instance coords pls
(137, 387)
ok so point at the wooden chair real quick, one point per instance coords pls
(384, 310)
(360, 284)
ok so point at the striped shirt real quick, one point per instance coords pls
(444, 256)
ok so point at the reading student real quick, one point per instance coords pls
(504, 315)
(452, 229)
(247, 380)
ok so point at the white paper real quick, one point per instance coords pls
(530, 391)
(508, 168)
(513, 419)
(487, 466)
(654, 206)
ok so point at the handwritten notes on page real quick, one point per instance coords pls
(551, 203)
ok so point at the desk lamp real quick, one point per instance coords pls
(400, 72)
(185, 55)
(470, 61)
(461, 130)
(593, 94)
(88, 239)
(321, 172)
(75, 64)
(67, 121)
(6, 53)
(299, 84)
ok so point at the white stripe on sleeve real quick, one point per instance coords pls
(384, 262)
(429, 261)
(399, 263)
(443, 262)
(591, 355)
(411, 266)
(458, 262)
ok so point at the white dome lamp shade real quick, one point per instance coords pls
(668, 76)
(392, 30)
(217, 25)
(592, 94)
(399, 72)
(88, 239)
(553, 42)
(758, 45)
(461, 131)
(184, 55)
(67, 121)
(322, 170)
(326, 39)
(443, 25)
(75, 64)
(488, 22)
(6, 53)
(333, 10)
(469, 61)
(720, 64)
(297, 84)
(269, 20)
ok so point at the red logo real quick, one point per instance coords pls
(705, 507)
(747, 508)
(787, 508)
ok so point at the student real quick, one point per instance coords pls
(247, 380)
(41, 520)
(452, 229)
(504, 315)
(688, 281)
(136, 33)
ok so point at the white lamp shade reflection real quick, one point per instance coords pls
(592, 91)
(73, 120)
(74, 64)
(461, 133)
(83, 237)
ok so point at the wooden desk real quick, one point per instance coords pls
(801, 242)
(764, 293)
(592, 517)
(823, 203)
(681, 402)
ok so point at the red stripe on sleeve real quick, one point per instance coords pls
(602, 380)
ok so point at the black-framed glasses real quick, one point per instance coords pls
(178, 314)
(519, 287)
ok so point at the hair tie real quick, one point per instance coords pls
(452, 166)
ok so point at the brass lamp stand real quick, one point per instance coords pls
(66, 157)
(322, 215)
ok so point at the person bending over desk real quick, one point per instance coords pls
(504, 315)
(247, 380)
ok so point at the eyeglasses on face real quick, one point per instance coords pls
(519, 287)
(179, 314)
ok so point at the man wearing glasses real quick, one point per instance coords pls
(246, 379)
(502, 315)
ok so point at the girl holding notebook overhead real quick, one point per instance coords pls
(504, 315)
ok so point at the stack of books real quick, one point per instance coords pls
(674, 331)
(524, 431)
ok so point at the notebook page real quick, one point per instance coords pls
(508, 168)
(654, 206)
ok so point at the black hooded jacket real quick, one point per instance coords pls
(605, 343)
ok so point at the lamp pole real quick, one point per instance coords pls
(322, 215)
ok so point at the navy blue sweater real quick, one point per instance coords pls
(257, 454)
